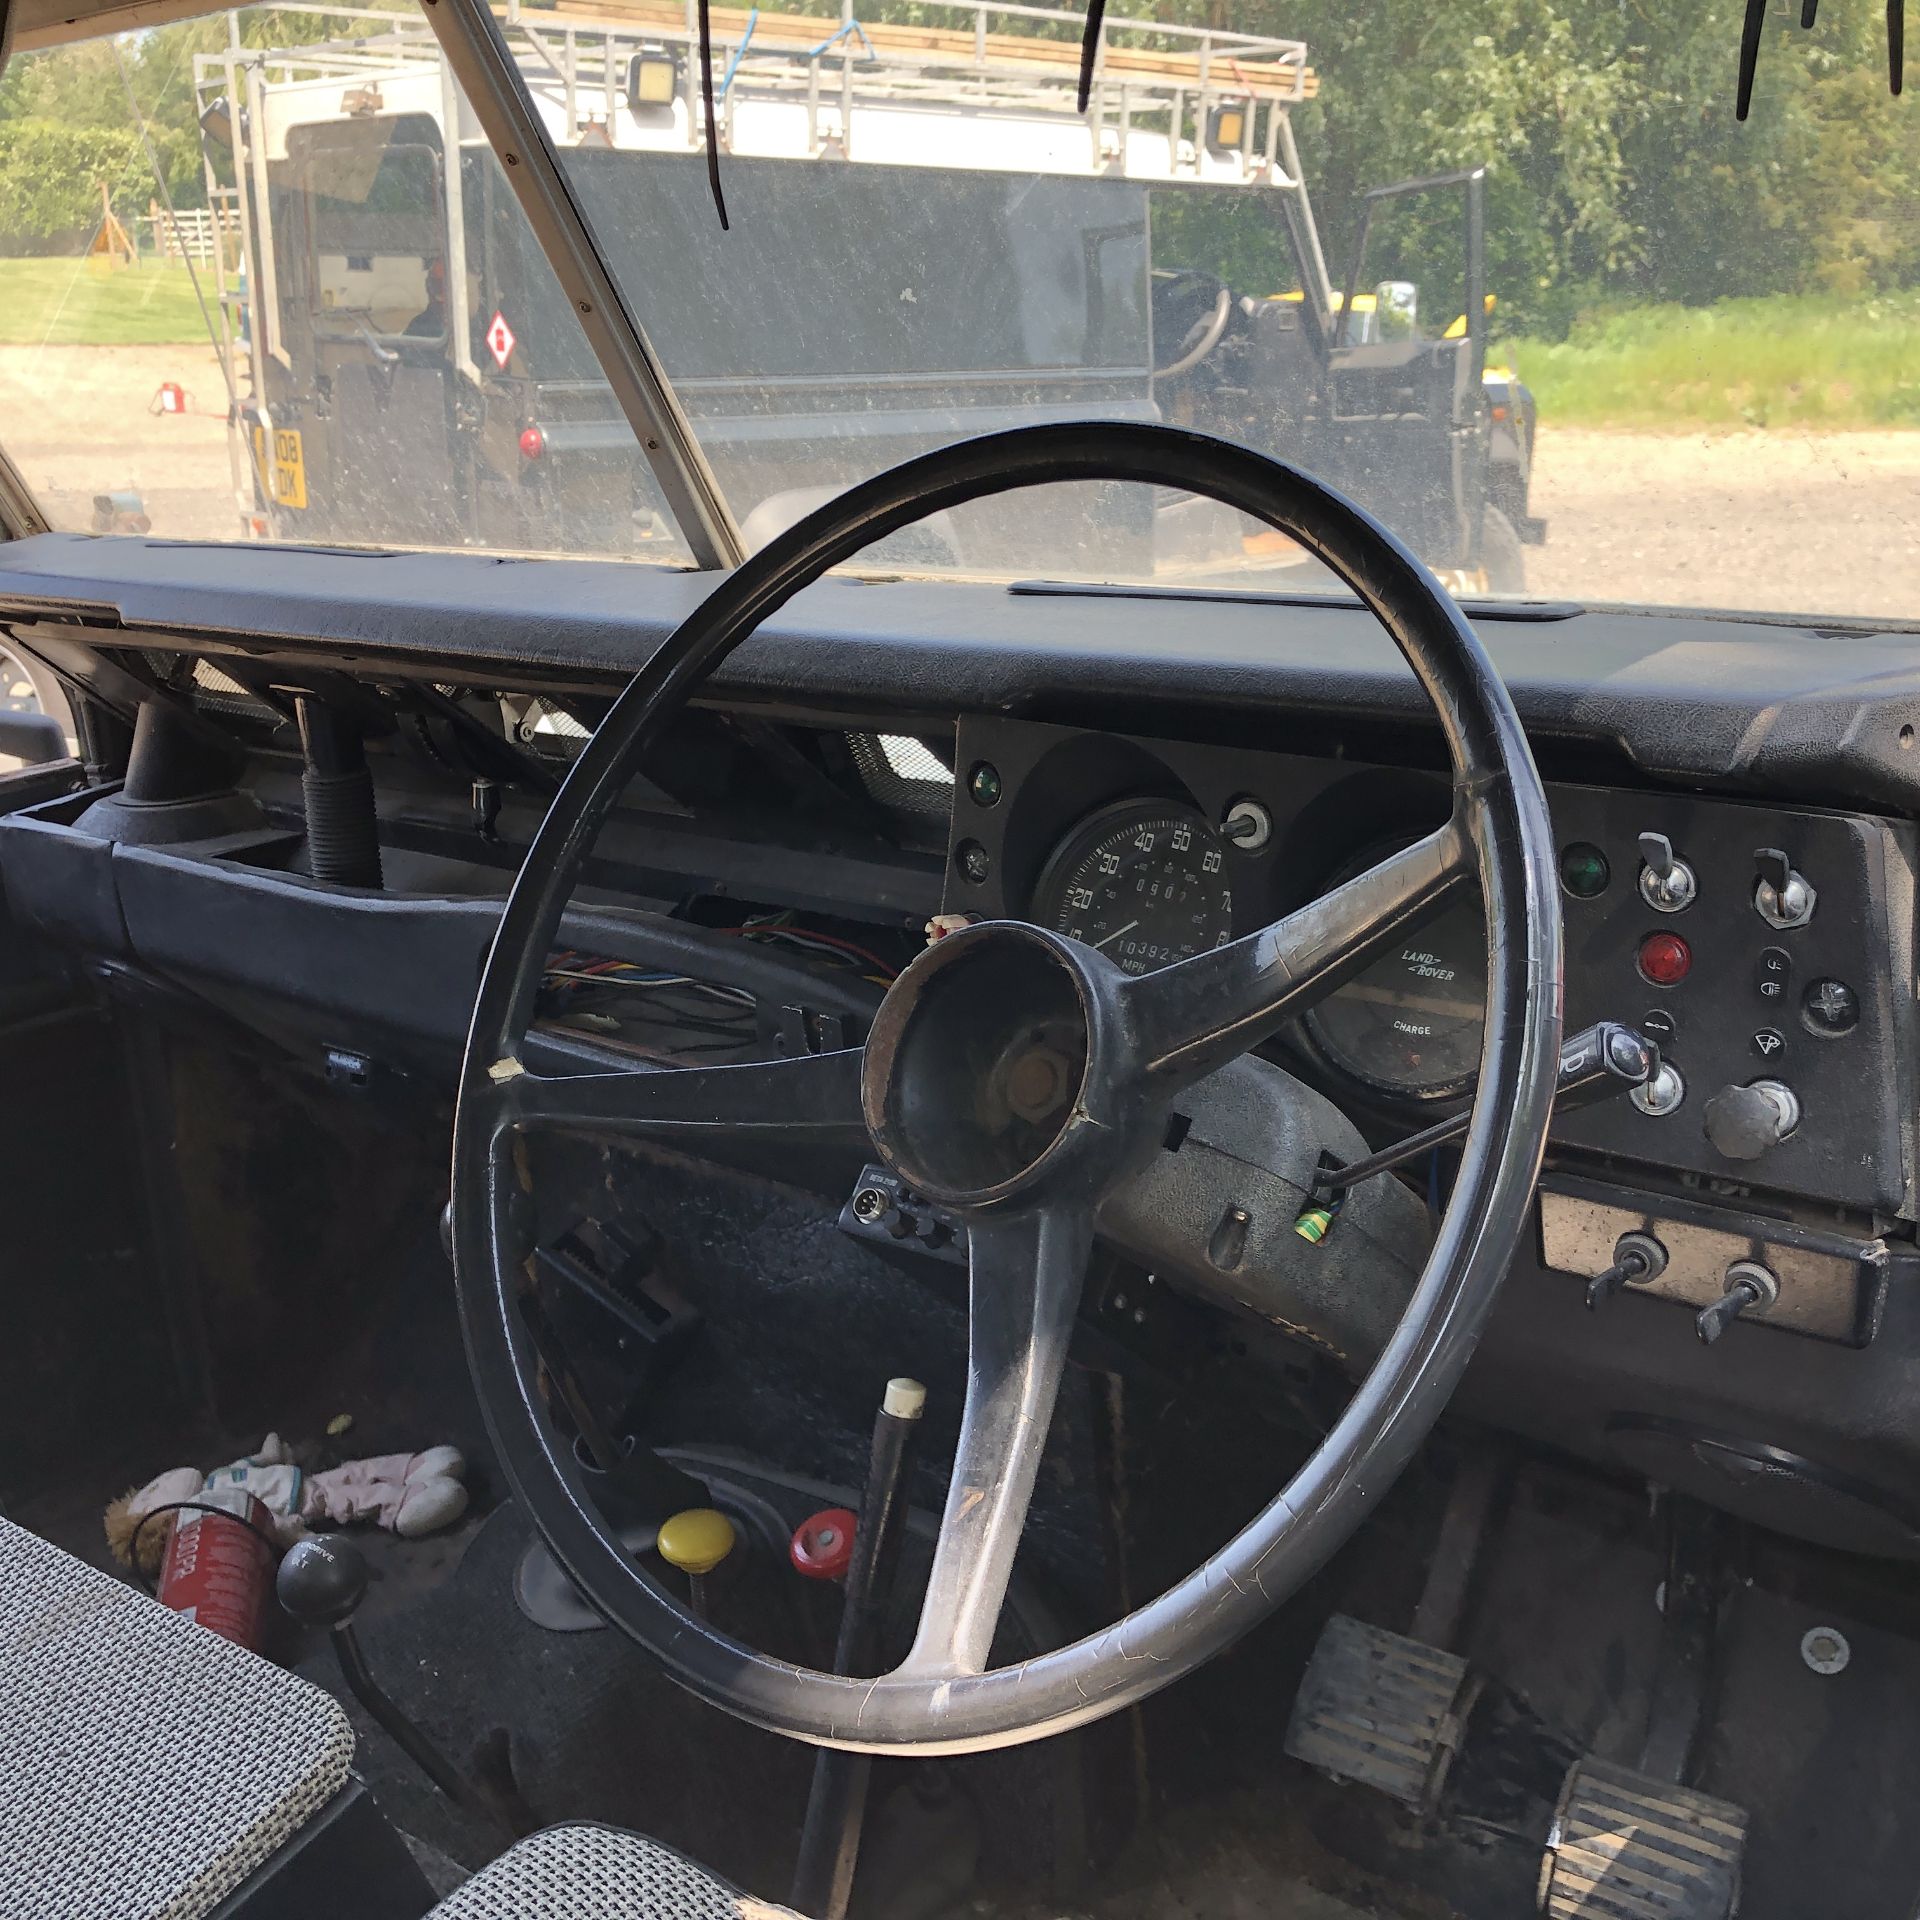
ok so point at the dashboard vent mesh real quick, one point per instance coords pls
(220, 692)
(901, 773)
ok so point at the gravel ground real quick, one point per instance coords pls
(1782, 522)
(77, 422)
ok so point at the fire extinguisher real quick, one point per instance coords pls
(219, 1565)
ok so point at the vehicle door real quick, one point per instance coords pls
(379, 449)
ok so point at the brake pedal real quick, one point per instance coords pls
(1625, 1846)
(1380, 1709)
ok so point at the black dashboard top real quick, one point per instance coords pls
(1826, 712)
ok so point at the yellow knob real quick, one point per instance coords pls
(695, 1541)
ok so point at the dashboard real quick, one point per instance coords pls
(1733, 807)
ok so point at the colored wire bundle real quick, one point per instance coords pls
(831, 947)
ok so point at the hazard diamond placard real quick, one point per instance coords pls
(500, 339)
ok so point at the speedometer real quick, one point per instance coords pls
(1144, 881)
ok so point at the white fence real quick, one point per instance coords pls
(188, 234)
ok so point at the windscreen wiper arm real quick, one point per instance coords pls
(476, 50)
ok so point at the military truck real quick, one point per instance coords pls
(439, 388)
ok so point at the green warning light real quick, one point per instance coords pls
(1583, 870)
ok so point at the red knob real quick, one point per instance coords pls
(823, 1544)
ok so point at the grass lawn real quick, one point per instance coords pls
(78, 303)
(1786, 361)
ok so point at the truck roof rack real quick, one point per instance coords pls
(996, 39)
(994, 90)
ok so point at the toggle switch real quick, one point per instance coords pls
(1781, 897)
(1749, 1285)
(1637, 1258)
(1667, 883)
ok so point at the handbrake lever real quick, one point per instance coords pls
(1604, 1060)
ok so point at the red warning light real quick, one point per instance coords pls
(1665, 959)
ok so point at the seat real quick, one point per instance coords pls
(149, 1768)
(585, 1872)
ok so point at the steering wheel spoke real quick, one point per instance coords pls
(811, 1099)
(1024, 1282)
(1190, 1019)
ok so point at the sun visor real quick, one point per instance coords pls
(50, 23)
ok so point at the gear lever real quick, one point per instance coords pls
(321, 1582)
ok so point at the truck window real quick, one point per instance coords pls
(376, 227)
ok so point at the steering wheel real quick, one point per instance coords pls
(1016, 1077)
(1203, 334)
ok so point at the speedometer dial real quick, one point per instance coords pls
(1144, 881)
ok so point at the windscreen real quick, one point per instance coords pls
(1519, 282)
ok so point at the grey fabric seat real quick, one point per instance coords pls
(599, 1873)
(147, 1767)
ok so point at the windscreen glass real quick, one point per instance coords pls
(260, 279)
(1521, 282)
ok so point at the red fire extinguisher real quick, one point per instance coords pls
(219, 1565)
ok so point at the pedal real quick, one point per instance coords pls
(1624, 1846)
(1381, 1710)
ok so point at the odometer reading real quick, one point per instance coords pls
(1145, 882)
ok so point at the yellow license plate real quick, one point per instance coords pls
(285, 469)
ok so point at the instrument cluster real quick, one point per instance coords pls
(1756, 946)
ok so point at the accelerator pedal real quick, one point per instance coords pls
(1627, 1847)
(1380, 1709)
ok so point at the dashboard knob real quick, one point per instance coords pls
(1781, 897)
(1743, 1122)
(1667, 883)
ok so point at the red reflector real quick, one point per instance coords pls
(1665, 959)
(1499, 413)
(533, 443)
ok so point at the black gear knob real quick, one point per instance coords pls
(322, 1581)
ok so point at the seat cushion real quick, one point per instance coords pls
(599, 1873)
(146, 1765)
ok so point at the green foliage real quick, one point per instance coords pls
(1782, 361)
(51, 175)
(1616, 167)
(75, 101)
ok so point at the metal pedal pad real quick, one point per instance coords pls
(1380, 1709)
(1627, 1847)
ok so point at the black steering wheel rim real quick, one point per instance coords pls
(1502, 813)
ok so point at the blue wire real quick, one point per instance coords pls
(739, 52)
(852, 26)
